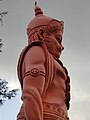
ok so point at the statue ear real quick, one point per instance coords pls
(40, 33)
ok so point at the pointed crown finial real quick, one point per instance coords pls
(37, 10)
(35, 2)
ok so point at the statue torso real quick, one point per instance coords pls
(56, 90)
(55, 94)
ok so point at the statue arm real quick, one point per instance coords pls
(33, 83)
(21, 115)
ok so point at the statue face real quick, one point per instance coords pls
(53, 41)
(56, 44)
(51, 34)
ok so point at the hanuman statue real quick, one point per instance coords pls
(44, 80)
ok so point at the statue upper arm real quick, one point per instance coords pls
(34, 56)
(34, 69)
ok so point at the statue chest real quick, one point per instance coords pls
(60, 77)
(56, 89)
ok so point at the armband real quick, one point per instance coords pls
(34, 73)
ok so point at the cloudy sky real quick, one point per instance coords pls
(76, 56)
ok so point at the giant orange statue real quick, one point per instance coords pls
(44, 80)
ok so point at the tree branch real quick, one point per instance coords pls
(2, 14)
(5, 93)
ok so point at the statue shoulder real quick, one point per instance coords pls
(27, 49)
(34, 51)
(35, 55)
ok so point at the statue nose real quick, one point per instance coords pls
(62, 47)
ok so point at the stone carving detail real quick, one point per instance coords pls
(54, 111)
(35, 73)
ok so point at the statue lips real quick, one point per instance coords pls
(59, 52)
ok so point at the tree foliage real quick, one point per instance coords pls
(5, 93)
(2, 14)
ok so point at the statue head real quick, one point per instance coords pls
(48, 30)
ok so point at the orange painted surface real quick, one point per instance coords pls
(44, 80)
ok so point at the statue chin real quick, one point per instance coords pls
(57, 55)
